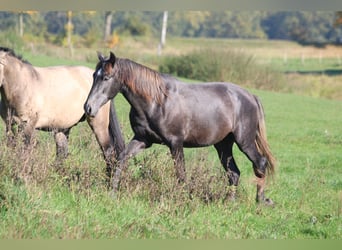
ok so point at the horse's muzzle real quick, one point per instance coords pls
(88, 110)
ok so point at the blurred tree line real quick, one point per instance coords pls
(319, 27)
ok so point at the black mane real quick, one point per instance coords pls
(13, 54)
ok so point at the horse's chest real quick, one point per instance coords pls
(145, 127)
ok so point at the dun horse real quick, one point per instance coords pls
(52, 98)
(167, 111)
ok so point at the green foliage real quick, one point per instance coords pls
(8, 21)
(306, 27)
(302, 26)
(222, 65)
(91, 37)
(135, 27)
(11, 40)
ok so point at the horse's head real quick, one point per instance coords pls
(2, 65)
(105, 86)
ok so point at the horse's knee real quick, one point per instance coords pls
(260, 167)
(259, 161)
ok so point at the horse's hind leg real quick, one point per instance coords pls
(225, 153)
(61, 139)
(177, 153)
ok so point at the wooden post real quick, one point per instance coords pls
(21, 24)
(69, 29)
(163, 33)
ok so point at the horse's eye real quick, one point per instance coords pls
(106, 77)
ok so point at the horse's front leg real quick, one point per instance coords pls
(61, 139)
(11, 129)
(134, 146)
(28, 128)
(177, 153)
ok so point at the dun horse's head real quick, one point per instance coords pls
(104, 86)
(2, 65)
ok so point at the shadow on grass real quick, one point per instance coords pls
(328, 72)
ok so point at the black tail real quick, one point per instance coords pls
(115, 131)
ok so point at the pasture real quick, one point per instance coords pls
(41, 202)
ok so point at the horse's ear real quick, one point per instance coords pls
(112, 58)
(100, 56)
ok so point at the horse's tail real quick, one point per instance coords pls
(115, 131)
(261, 140)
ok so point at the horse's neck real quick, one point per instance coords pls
(16, 78)
(137, 102)
(20, 73)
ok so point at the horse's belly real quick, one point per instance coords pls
(205, 137)
(59, 121)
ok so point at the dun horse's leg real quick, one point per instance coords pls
(106, 144)
(177, 153)
(11, 128)
(28, 129)
(134, 147)
(225, 153)
(101, 126)
(61, 139)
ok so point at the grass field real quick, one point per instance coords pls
(37, 201)
(311, 71)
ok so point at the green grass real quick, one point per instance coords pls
(305, 136)
(38, 201)
(313, 71)
(329, 66)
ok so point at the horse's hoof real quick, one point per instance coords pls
(231, 195)
(113, 195)
(268, 202)
(265, 202)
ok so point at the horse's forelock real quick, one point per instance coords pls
(108, 68)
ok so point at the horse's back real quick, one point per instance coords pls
(208, 112)
(229, 96)
(60, 95)
(74, 76)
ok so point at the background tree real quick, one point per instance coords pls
(338, 18)
(108, 25)
(306, 27)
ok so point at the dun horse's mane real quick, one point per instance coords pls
(141, 80)
(13, 54)
(29, 66)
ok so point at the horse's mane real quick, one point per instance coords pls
(13, 54)
(140, 79)
(28, 65)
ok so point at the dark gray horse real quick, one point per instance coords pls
(167, 111)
